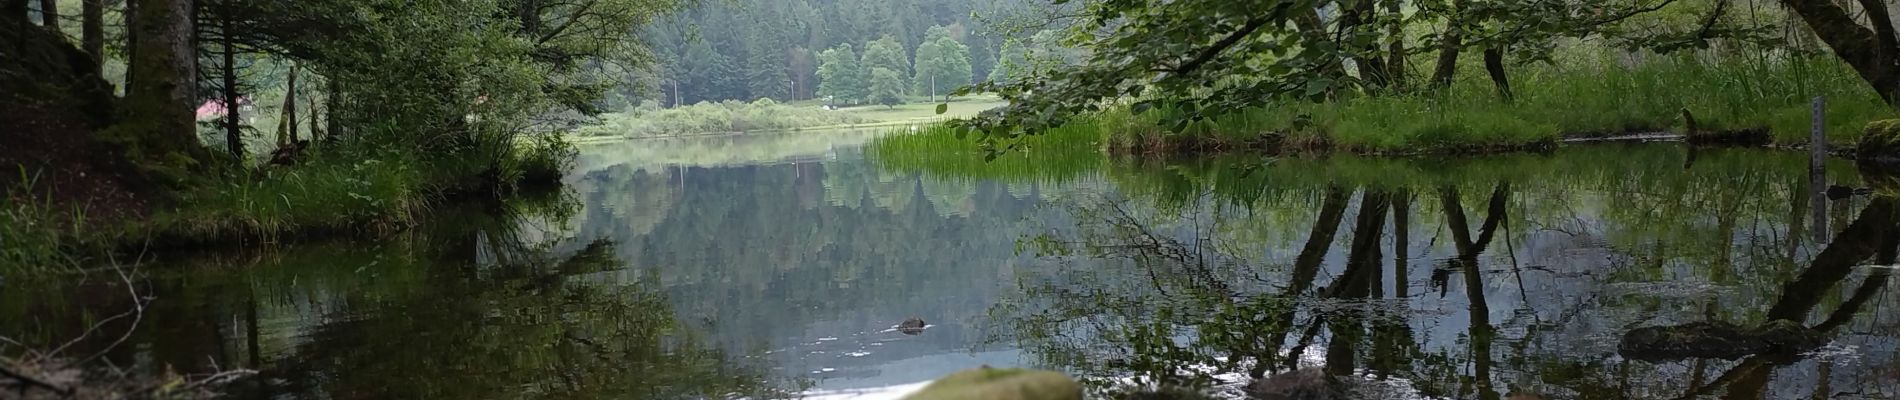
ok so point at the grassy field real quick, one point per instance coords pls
(925, 112)
(731, 117)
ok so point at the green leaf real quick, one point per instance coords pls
(943, 108)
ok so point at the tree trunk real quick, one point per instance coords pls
(334, 128)
(1449, 46)
(1874, 53)
(49, 14)
(1313, 28)
(92, 35)
(131, 51)
(1494, 65)
(1395, 53)
(287, 123)
(162, 95)
(233, 131)
(310, 108)
(1372, 68)
(529, 12)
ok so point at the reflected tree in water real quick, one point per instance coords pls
(1153, 292)
(490, 305)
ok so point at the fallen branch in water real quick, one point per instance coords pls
(23, 382)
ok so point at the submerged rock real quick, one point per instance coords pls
(1001, 384)
(1163, 393)
(1303, 384)
(1717, 339)
(912, 326)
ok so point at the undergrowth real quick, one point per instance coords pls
(1550, 102)
(1601, 97)
(329, 194)
(357, 190)
(34, 233)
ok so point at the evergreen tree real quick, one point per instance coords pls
(943, 64)
(840, 77)
(887, 87)
(710, 75)
(767, 73)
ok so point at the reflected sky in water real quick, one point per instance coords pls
(775, 264)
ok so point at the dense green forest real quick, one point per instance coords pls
(812, 49)
(771, 49)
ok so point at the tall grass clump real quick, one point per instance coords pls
(940, 151)
(35, 235)
(1723, 94)
(366, 194)
(721, 117)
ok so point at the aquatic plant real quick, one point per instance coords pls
(942, 151)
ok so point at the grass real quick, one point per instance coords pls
(326, 194)
(721, 117)
(349, 190)
(1551, 102)
(35, 235)
(1059, 155)
(926, 111)
(765, 115)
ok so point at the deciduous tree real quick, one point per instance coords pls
(943, 64)
(840, 76)
(887, 87)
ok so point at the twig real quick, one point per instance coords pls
(137, 313)
(30, 381)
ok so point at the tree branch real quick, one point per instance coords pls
(576, 16)
(1208, 54)
(33, 382)
(1883, 23)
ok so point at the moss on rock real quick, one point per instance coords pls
(1001, 384)
(1880, 140)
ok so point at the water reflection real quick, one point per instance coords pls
(1213, 278)
(479, 307)
(800, 260)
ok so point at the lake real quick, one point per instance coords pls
(775, 266)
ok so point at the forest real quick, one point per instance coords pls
(1174, 199)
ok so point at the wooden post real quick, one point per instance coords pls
(1817, 170)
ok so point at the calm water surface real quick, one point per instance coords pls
(777, 265)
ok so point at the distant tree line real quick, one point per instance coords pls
(785, 49)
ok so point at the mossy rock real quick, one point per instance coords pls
(1883, 181)
(1718, 339)
(1881, 140)
(1001, 384)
